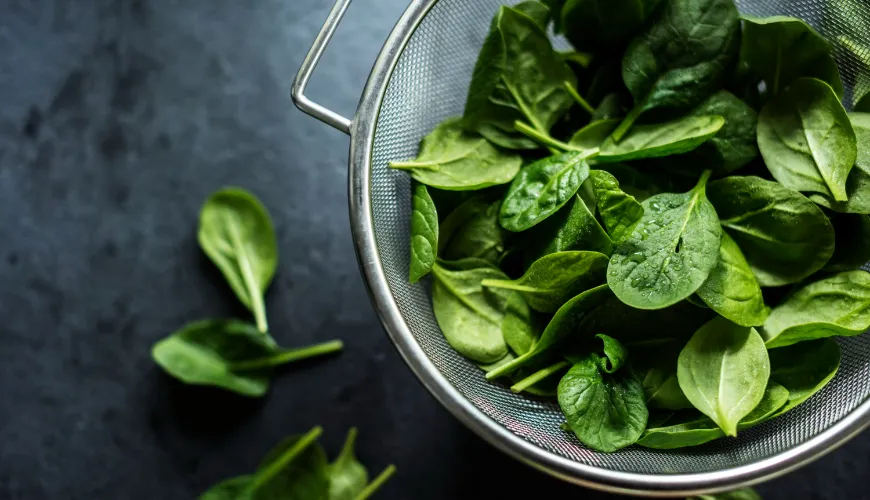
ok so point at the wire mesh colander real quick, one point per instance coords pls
(420, 78)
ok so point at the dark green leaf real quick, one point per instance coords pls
(852, 247)
(538, 11)
(619, 211)
(804, 369)
(472, 231)
(734, 146)
(573, 227)
(296, 469)
(732, 290)
(236, 488)
(424, 233)
(661, 139)
(615, 354)
(608, 109)
(641, 185)
(604, 25)
(858, 182)
(658, 367)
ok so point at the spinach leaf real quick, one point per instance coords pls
(852, 247)
(518, 76)
(608, 109)
(619, 211)
(723, 371)
(663, 72)
(454, 159)
(573, 227)
(804, 369)
(615, 354)
(424, 233)
(741, 494)
(835, 306)
(732, 290)
(560, 328)
(661, 139)
(671, 252)
(229, 354)
(347, 476)
(537, 11)
(783, 235)
(606, 411)
(519, 328)
(234, 488)
(469, 315)
(591, 136)
(639, 184)
(644, 329)
(734, 146)
(658, 368)
(782, 49)
(541, 189)
(807, 140)
(237, 235)
(603, 25)
(555, 278)
(858, 182)
(472, 231)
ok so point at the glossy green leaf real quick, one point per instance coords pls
(734, 145)
(858, 182)
(852, 246)
(807, 140)
(424, 233)
(573, 227)
(603, 25)
(661, 139)
(454, 159)
(641, 185)
(782, 49)
(593, 135)
(472, 231)
(347, 476)
(838, 305)
(723, 371)
(804, 369)
(642, 329)
(732, 290)
(783, 235)
(619, 211)
(518, 77)
(469, 315)
(237, 235)
(541, 189)
(605, 411)
(554, 279)
(671, 252)
(615, 354)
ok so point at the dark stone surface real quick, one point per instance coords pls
(116, 120)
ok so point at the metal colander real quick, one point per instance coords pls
(420, 78)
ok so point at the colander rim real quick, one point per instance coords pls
(362, 228)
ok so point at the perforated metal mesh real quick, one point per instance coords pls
(428, 85)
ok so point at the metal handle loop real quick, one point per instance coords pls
(305, 104)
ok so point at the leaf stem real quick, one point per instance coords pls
(626, 124)
(579, 98)
(702, 182)
(376, 483)
(281, 462)
(508, 367)
(538, 376)
(411, 165)
(543, 138)
(288, 356)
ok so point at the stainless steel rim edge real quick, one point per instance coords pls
(362, 228)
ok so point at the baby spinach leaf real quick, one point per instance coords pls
(671, 252)
(518, 76)
(605, 411)
(807, 140)
(734, 146)
(723, 371)
(424, 233)
(603, 25)
(783, 235)
(741, 494)
(237, 235)
(852, 247)
(541, 189)
(619, 211)
(229, 354)
(347, 476)
(296, 469)
(782, 49)
(644, 329)
(472, 231)
(469, 315)
(662, 72)
(519, 328)
(615, 354)
(858, 182)
(573, 227)
(537, 11)
(658, 369)
(639, 184)
(661, 139)
(803, 369)
(454, 159)
(732, 290)
(555, 278)
(835, 306)
(591, 136)
(563, 324)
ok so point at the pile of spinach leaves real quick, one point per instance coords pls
(661, 230)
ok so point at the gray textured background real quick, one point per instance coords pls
(117, 118)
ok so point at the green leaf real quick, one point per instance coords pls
(518, 77)
(541, 189)
(538, 11)
(608, 109)
(347, 476)
(615, 354)
(664, 75)
(852, 247)
(555, 278)
(661, 139)
(518, 327)
(671, 252)
(835, 306)
(782, 49)
(741, 494)
(454, 159)
(734, 146)
(807, 140)
(469, 315)
(642, 329)
(639, 184)
(619, 211)
(804, 369)
(858, 182)
(732, 290)
(296, 469)
(605, 411)
(564, 323)
(658, 367)
(604, 25)
(783, 235)
(591, 136)
(424, 234)
(235, 488)
(237, 235)
(723, 371)
(573, 227)
(472, 231)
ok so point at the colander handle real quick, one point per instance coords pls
(305, 104)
